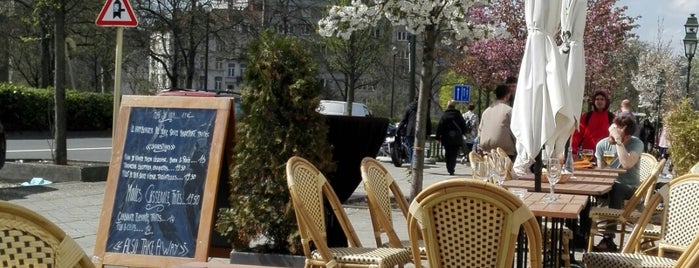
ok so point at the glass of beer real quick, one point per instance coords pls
(609, 156)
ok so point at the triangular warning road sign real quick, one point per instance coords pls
(117, 13)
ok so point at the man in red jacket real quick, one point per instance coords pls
(594, 125)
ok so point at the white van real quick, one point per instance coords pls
(331, 107)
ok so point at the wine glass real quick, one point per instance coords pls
(500, 169)
(608, 156)
(480, 170)
(553, 174)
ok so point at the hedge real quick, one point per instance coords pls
(32, 109)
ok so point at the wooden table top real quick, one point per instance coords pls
(604, 170)
(218, 265)
(593, 172)
(564, 188)
(580, 178)
(567, 206)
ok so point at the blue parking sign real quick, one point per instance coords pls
(462, 93)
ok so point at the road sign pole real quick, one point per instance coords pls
(117, 78)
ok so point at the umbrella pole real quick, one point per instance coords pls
(538, 164)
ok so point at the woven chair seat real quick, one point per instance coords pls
(374, 257)
(652, 230)
(406, 245)
(607, 213)
(626, 260)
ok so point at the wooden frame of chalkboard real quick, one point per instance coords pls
(159, 198)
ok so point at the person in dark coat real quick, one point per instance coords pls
(450, 131)
(647, 135)
(407, 127)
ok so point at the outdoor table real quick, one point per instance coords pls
(588, 189)
(580, 178)
(551, 216)
(593, 172)
(217, 265)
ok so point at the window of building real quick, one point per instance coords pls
(375, 33)
(231, 69)
(202, 83)
(218, 81)
(401, 36)
(219, 64)
(242, 69)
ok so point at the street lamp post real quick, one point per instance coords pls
(659, 89)
(207, 8)
(690, 43)
(394, 50)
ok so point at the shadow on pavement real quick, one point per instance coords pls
(20, 192)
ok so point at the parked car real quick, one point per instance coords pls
(332, 107)
(3, 145)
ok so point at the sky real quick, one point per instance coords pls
(669, 15)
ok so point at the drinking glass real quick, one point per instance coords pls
(587, 154)
(553, 173)
(608, 156)
(480, 170)
(500, 169)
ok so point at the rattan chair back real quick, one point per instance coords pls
(28, 239)
(646, 165)
(680, 213)
(379, 186)
(470, 223)
(309, 190)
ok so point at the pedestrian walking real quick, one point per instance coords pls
(471, 132)
(450, 131)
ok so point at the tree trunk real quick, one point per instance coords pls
(60, 154)
(5, 53)
(423, 109)
(45, 52)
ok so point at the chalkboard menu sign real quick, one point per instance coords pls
(158, 205)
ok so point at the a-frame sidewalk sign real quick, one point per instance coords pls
(117, 13)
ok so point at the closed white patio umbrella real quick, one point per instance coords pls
(541, 114)
(573, 18)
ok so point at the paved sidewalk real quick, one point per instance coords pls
(75, 206)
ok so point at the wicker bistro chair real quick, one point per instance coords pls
(626, 218)
(646, 168)
(679, 234)
(379, 186)
(309, 189)
(470, 223)
(27, 239)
